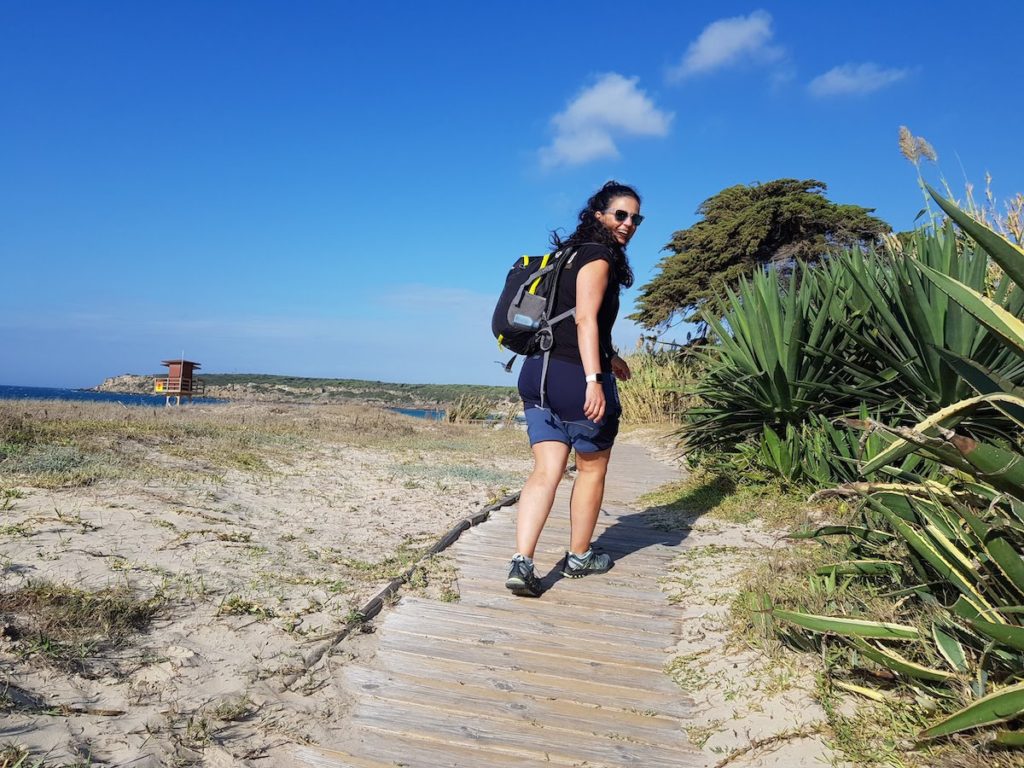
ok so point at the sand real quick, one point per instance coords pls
(256, 569)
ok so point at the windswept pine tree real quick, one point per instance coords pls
(780, 222)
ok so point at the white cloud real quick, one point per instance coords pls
(854, 79)
(613, 107)
(727, 41)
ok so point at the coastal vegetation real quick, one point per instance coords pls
(270, 387)
(658, 392)
(887, 381)
(744, 227)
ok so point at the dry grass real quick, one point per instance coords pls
(59, 625)
(469, 409)
(52, 444)
(656, 393)
(1007, 220)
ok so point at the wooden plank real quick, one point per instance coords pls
(554, 605)
(627, 571)
(413, 752)
(654, 557)
(513, 659)
(467, 702)
(499, 641)
(525, 629)
(556, 539)
(513, 613)
(669, 702)
(582, 600)
(643, 550)
(531, 740)
(554, 618)
(616, 584)
(635, 524)
(606, 528)
(624, 577)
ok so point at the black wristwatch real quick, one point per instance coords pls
(595, 377)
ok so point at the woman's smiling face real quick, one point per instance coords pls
(623, 230)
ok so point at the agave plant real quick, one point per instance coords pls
(759, 373)
(956, 550)
(913, 339)
(822, 451)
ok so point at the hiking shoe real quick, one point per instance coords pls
(577, 566)
(521, 579)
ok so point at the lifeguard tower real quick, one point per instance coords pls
(179, 381)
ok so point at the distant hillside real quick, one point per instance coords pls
(266, 387)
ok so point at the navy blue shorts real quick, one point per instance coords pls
(562, 417)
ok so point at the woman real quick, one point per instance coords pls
(581, 405)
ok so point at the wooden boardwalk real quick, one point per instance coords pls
(573, 678)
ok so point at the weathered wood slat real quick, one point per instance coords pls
(474, 702)
(504, 657)
(557, 529)
(614, 589)
(580, 601)
(531, 740)
(521, 645)
(571, 636)
(478, 615)
(637, 566)
(549, 606)
(590, 691)
(404, 751)
(585, 592)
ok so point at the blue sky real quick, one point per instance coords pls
(337, 189)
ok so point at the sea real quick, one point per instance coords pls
(431, 414)
(54, 393)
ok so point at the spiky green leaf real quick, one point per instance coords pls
(1007, 255)
(997, 707)
(848, 627)
(898, 663)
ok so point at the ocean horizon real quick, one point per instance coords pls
(13, 392)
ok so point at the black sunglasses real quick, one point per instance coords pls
(621, 216)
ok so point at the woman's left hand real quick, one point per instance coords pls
(620, 368)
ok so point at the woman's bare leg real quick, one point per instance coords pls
(549, 458)
(587, 495)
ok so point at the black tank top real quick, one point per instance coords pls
(566, 346)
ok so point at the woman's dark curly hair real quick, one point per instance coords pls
(591, 230)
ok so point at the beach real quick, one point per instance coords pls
(223, 543)
(182, 586)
